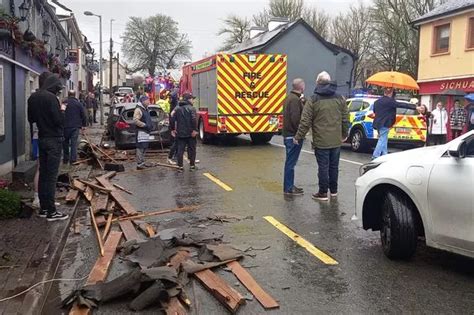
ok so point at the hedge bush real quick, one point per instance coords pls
(10, 204)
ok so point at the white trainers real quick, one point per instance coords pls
(171, 162)
(36, 203)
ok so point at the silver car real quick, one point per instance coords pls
(422, 192)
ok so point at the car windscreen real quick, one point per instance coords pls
(155, 113)
(406, 111)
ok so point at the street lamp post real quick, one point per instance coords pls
(110, 59)
(101, 95)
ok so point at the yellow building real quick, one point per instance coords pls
(446, 53)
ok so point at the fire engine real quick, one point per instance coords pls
(238, 94)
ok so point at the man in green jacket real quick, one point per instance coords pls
(327, 115)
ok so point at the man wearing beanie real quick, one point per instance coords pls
(142, 119)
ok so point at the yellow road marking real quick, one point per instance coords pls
(218, 182)
(328, 260)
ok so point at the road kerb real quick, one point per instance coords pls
(325, 258)
(218, 182)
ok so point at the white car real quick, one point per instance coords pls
(422, 192)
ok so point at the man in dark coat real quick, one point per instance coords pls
(291, 119)
(185, 130)
(144, 124)
(44, 110)
(385, 110)
(74, 120)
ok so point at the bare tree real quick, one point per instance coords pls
(262, 18)
(237, 29)
(395, 40)
(291, 9)
(352, 30)
(318, 20)
(154, 42)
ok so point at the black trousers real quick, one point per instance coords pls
(95, 115)
(49, 160)
(438, 139)
(190, 143)
(173, 148)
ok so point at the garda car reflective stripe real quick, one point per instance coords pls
(251, 93)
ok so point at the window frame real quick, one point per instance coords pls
(469, 35)
(436, 26)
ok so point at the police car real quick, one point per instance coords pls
(409, 128)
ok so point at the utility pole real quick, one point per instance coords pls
(118, 70)
(110, 60)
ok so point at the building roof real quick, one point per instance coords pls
(447, 8)
(264, 39)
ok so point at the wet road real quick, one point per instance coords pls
(363, 281)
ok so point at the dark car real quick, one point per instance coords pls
(125, 129)
(112, 117)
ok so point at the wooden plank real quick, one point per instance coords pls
(129, 230)
(174, 307)
(100, 269)
(72, 195)
(108, 224)
(78, 185)
(100, 220)
(109, 175)
(123, 189)
(90, 184)
(154, 213)
(221, 290)
(104, 181)
(96, 228)
(123, 203)
(146, 228)
(101, 202)
(249, 282)
(180, 257)
(111, 206)
(89, 193)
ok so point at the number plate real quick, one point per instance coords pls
(403, 130)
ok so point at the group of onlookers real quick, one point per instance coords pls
(437, 121)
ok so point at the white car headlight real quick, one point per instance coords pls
(368, 167)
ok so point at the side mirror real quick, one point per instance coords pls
(460, 151)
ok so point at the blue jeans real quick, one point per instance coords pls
(328, 169)
(382, 143)
(292, 154)
(71, 136)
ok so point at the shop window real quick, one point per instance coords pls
(441, 38)
(470, 33)
(2, 106)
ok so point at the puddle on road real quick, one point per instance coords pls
(271, 186)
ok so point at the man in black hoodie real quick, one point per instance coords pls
(44, 109)
(185, 130)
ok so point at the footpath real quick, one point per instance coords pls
(30, 251)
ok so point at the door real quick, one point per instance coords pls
(450, 200)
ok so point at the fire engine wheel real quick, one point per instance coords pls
(261, 138)
(358, 141)
(204, 136)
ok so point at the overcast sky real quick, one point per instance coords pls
(201, 20)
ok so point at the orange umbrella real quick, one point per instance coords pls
(393, 79)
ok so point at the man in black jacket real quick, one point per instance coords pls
(185, 130)
(291, 120)
(74, 120)
(385, 110)
(44, 110)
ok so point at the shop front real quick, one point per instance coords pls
(447, 92)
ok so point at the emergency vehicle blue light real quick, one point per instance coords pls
(366, 95)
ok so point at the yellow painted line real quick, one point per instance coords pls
(218, 182)
(328, 260)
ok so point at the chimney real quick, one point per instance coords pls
(256, 30)
(276, 22)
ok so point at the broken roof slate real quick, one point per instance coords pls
(446, 8)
